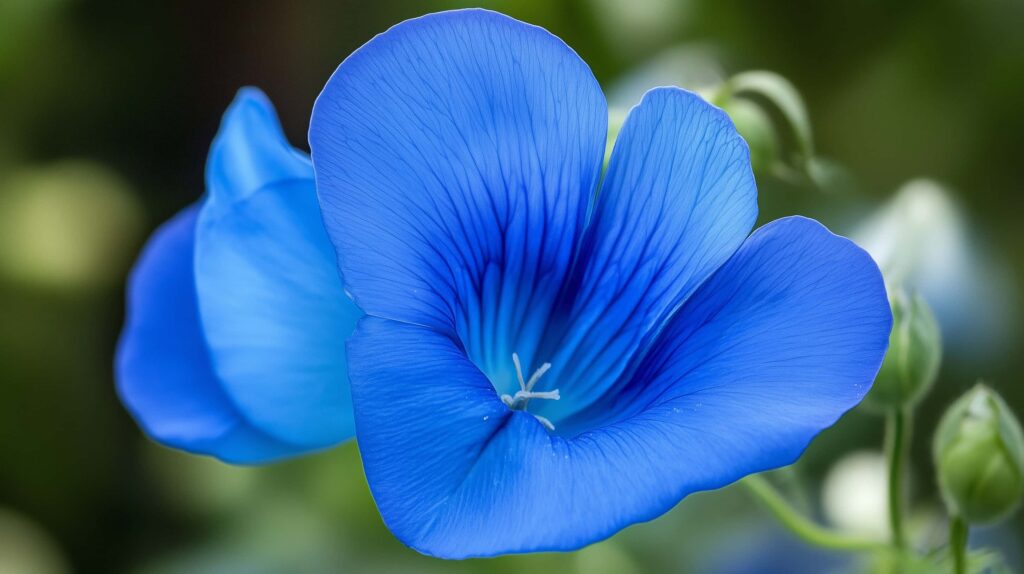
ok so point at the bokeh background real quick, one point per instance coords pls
(106, 112)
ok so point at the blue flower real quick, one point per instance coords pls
(543, 363)
(233, 343)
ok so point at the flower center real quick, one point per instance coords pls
(518, 401)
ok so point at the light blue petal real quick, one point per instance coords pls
(678, 199)
(455, 157)
(164, 375)
(273, 307)
(781, 341)
(250, 152)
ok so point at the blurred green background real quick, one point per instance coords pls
(107, 112)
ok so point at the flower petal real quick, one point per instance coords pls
(164, 375)
(678, 199)
(788, 335)
(251, 152)
(772, 349)
(455, 157)
(273, 307)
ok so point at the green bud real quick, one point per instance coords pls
(756, 127)
(915, 351)
(979, 457)
(780, 94)
(771, 116)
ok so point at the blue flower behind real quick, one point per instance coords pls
(233, 343)
(457, 159)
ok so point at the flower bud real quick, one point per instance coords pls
(979, 457)
(915, 351)
(780, 94)
(755, 125)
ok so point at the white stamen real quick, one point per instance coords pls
(544, 421)
(536, 376)
(519, 371)
(519, 401)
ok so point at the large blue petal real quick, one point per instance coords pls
(678, 199)
(781, 341)
(273, 307)
(164, 375)
(455, 157)
(794, 324)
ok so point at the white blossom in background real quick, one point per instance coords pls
(923, 242)
(855, 495)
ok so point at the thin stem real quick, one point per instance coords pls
(958, 544)
(897, 437)
(799, 524)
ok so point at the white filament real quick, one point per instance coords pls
(521, 399)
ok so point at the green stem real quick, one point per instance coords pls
(958, 544)
(897, 433)
(800, 525)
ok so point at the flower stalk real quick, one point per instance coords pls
(897, 430)
(958, 530)
(800, 525)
